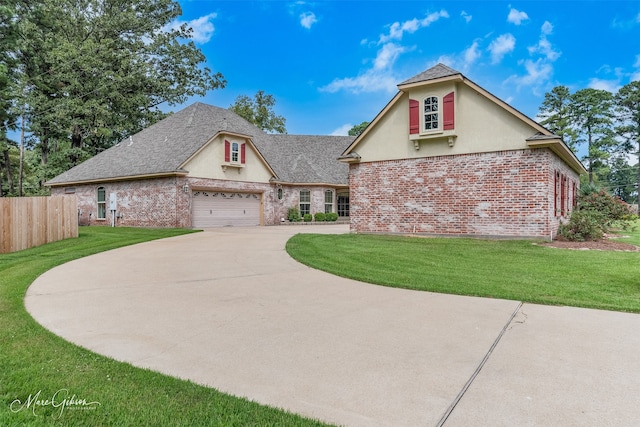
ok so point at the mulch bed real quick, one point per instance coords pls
(600, 245)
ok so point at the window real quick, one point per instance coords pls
(328, 201)
(279, 193)
(235, 152)
(564, 201)
(431, 113)
(343, 204)
(102, 203)
(305, 202)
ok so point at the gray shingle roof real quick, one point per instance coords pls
(308, 158)
(164, 146)
(436, 72)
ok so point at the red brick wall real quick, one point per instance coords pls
(162, 202)
(507, 193)
(143, 203)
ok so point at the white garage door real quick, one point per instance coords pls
(222, 209)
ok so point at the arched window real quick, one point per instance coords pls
(280, 193)
(431, 113)
(102, 203)
(235, 152)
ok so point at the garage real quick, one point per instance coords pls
(225, 209)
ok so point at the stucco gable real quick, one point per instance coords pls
(483, 123)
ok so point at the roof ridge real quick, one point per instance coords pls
(438, 71)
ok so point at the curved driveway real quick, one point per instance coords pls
(228, 308)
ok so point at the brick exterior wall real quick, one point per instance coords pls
(157, 202)
(291, 198)
(507, 194)
(162, 202)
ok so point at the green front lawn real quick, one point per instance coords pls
(33, 360)
(509, 269)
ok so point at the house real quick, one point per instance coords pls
(205, 166)
(446, 157)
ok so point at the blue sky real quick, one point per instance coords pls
(333, 64)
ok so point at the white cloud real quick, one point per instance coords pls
(608, 85)
(397, 29)
(636, 75)
(342, 130)
(369, 81)
(501, 46)
(471, 54)
(544, 47)
(202, 28)
(387, 56)
(516, 17)
(538, 73)
(466, 16)
(307, 19)
(380, 76)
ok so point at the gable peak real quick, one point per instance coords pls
(438, 71)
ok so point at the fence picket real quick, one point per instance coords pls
(32, 221)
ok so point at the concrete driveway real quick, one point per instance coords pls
(229, 309)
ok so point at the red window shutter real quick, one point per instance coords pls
(562, 194)
(414, 116)
(448, 121)
(227, 151)
(555, 194)
(243, 153)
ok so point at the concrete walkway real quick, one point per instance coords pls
(228, 308)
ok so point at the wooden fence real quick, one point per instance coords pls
(32, 221)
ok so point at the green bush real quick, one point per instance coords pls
(596, 213)
(583, 225)
(320, 217)
(293, 215)
(331, 216)
(307, 217)
(612, 208)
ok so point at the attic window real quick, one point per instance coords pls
(235, 152)
(431, 113)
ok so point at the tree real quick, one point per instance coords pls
(592, 116)
(628, 109)
(259, 111)
(621, 179)
(556, 113)
(8, 76)
(96, 71)
(358, 129)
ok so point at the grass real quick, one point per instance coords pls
(34, 360)
(508, 269)
(632, 235)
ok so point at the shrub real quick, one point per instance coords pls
(293, 215)
(320, 217)
(331, 216)
(307, 217)
(596, 213)
(583, 225)
(612, 208)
